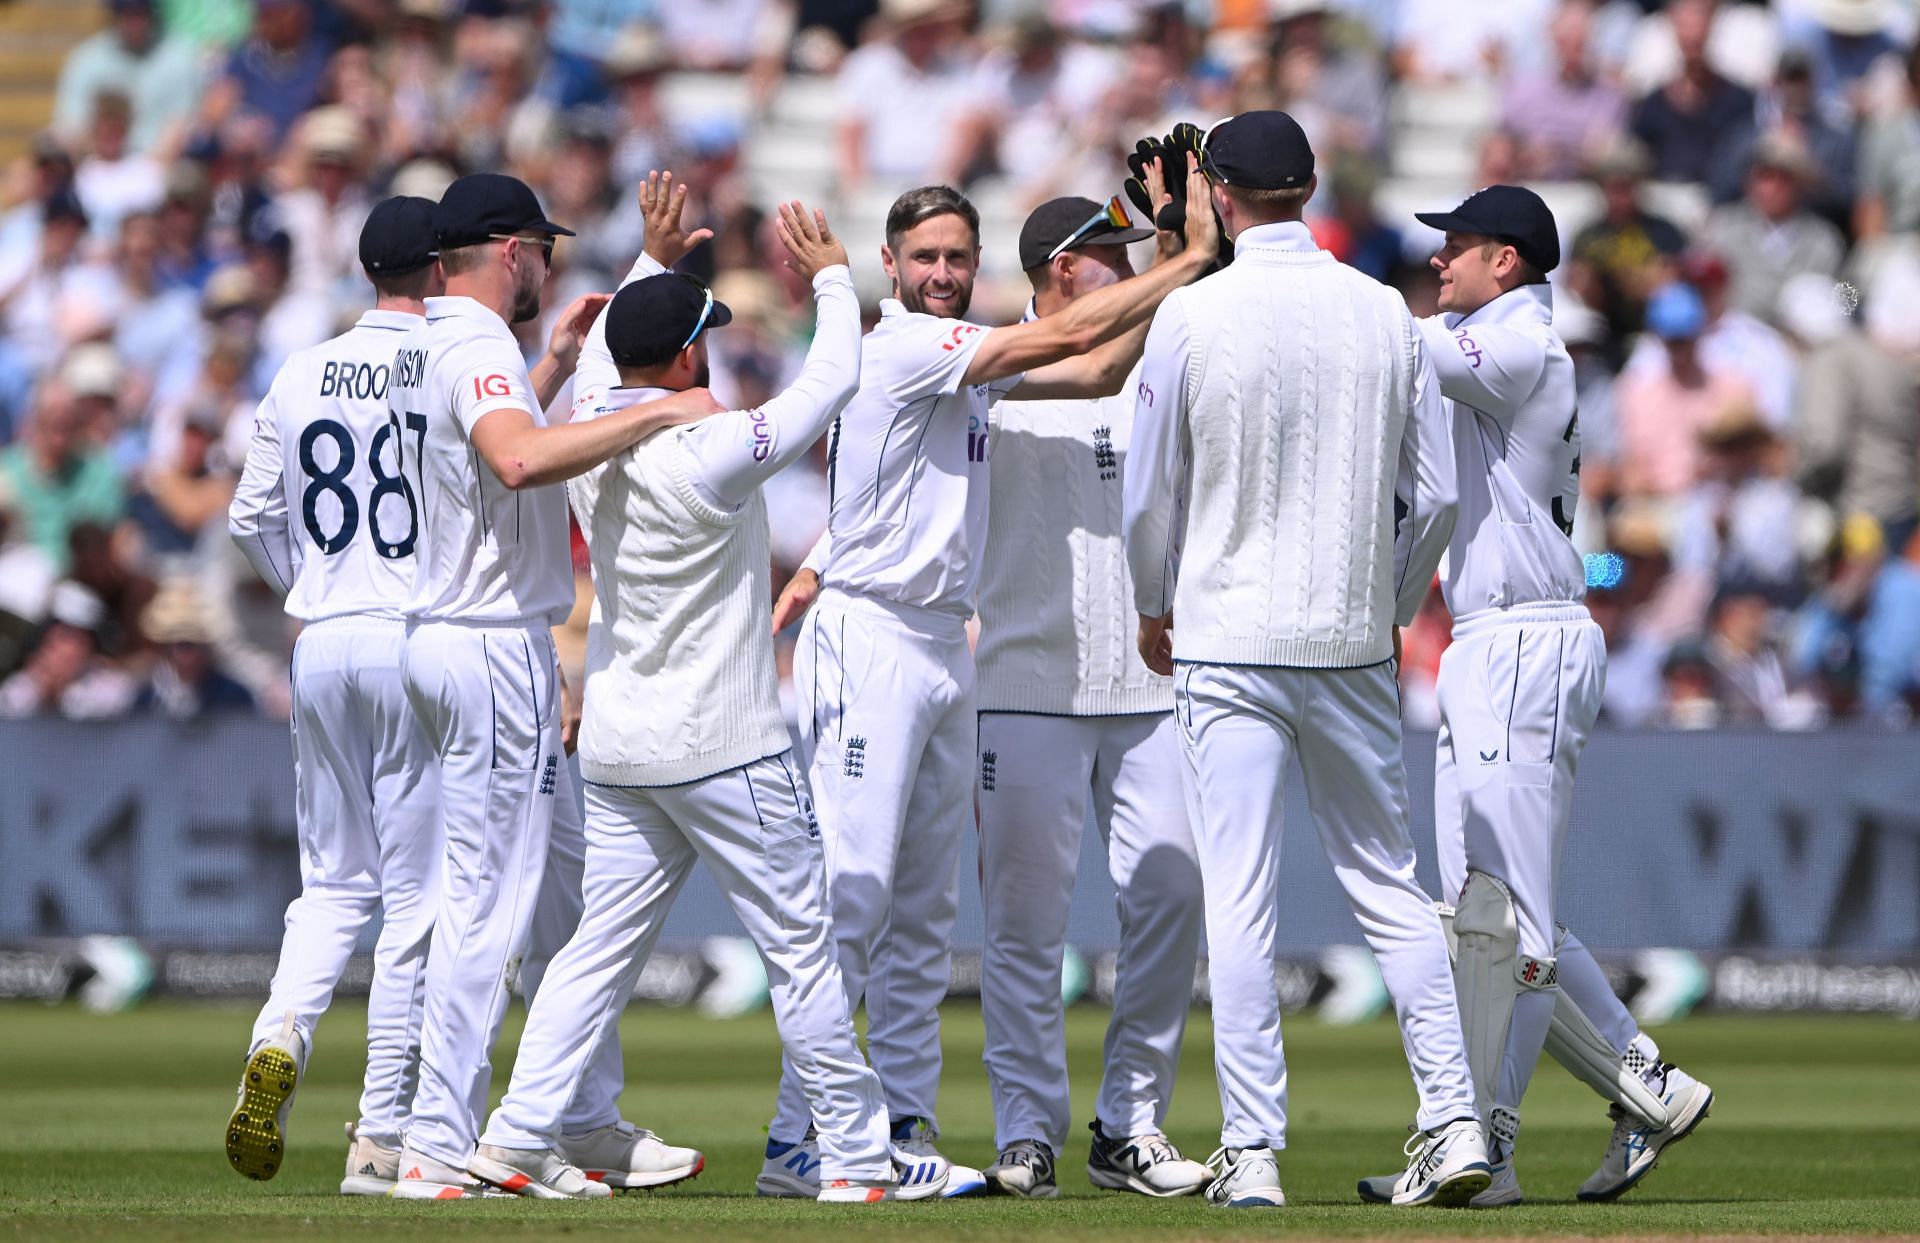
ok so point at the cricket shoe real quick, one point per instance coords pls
(1504, 1190)
(372, 1170)
(1636, 1147)
(1148, 1164)
(423, 1178)
(913, 1147)
(257, 1128)
(626, 1157)
(536, 1173)
(1244, 1178)
(1025, 1169)
(1446, 1166)
(792, 1171)
(858, 1191)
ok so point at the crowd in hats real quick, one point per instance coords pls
(1737, 187)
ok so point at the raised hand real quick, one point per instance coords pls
(571, 328)
(1203, 226)
(808, 240)
(661, 205)
(1166, 242)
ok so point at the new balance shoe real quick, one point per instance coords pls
(1148, 1164)
(791, 1171)
(1635, 1147)
(536, 1173)
(423, 1178)
(257, 1128)
(372, 1169)
(1446, 1166)
(1244, 1178)
(1025, 1169)
(625, 1157)
(913, 1150)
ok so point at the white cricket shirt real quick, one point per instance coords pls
(1516, 443)
(908, 467)
(322, 510)
(486, 553)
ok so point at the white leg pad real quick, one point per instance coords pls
(1577, 1044)
(1489, 971)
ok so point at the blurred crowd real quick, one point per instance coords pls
(1749, 365)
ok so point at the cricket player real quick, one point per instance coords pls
(1072, 719)
(492, 575)
(678, 533)
(1287, 499)
(1519, 692)
(883, 669)
(366, 806)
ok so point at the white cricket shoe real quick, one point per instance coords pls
(1244, 1178)
(1636, 1147)
(257, 1128)
(1148, 1164)
(1025, 1169)
(536, 1173)
(1446, 1166)
(913, 1150)
(372, 1169)
(624, 1156)
(423, 1178)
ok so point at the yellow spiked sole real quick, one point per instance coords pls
(255, 1146)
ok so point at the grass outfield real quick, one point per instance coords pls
(113, 1130)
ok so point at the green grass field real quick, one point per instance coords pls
(113, 1128)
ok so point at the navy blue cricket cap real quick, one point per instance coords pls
(398, 236)
(651, 320)
(1511, 214)
(1261, 150)
(481, 206)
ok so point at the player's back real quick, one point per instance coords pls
(351, 515)
(487, 553)
(1516, 452)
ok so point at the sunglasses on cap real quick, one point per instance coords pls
(1113, 215)
(706, 312)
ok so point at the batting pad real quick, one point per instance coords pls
(1577, 1044)
(1489, 972)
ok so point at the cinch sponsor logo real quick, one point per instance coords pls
(362, 380)
(762, 438)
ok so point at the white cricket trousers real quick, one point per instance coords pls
(754, 828)
(1038, 776)
(487, 698)
(366, 809)
(1519, 693)
(887, 729)
(556, 913)
(1240, 726)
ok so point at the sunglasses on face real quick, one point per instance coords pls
(1113, 216)
(544, 244)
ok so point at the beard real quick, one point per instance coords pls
(703, 378)
(953, 308)
(526, 299)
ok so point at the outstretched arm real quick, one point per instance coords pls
(1424, 494)
(1153, 514)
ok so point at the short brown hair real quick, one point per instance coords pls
(411, 285)
(1287, 203)
(460, 260)
(916, 207)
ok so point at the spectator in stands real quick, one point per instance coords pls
(1692, 123)
(643, 139)
(27, 579)
(94, 382)
(1859, 636)
(1337, 93)
(157, 325)
(1858, 413)
(275, 73)
(184, 260)
(187, 682)
(1030, 113)
(1564, 112)
(30, 306)
(183, 499)
(1831, 142)
(1742, 42)
(113, 180)
(577, 36)
(1770, 236)
(1750, 683)
(1733, 341)
(1662, 409)
(581, 188)
(1356, 233)
(1691, 689)
(1445, 41)
(322, 215)
(135, 56)
(903, 96)
(1739, 523)
(56, 478)
(713, 35)
(1844, 41)
(1643, 615)
(1620, 259)
(1889, 166)
(65, 674)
